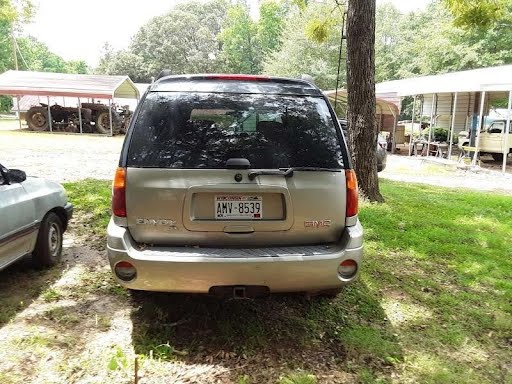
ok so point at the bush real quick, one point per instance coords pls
(438, 134)
(5, 103)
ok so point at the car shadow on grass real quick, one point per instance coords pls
(21, 283)
(266, 336)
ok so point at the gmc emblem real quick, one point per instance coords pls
(164, 222)
(317, 223)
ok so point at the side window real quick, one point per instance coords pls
(496, 127)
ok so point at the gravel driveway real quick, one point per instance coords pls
(68, 157)
(61, 157)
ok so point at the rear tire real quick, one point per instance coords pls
(103, 122)
(37, 119)
(48, 250)
(497, 156)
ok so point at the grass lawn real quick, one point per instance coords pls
(433, 304)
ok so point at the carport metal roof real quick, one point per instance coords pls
(475, 80)
(484, 80)
(384, 107)
(18, 83)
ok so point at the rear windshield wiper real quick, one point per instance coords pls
(288, 172)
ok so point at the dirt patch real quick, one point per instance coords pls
(67, 329)
(76, 325)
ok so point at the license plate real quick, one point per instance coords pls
(238, 207)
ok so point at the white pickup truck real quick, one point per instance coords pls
(492, 140)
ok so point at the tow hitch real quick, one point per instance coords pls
(239, 291)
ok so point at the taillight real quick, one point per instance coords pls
(351, 182)
(118, 193)
(238, 77)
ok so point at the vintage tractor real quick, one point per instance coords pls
(95, 118)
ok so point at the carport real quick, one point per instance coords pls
(21, 83)
(386, 113)
(458, 99)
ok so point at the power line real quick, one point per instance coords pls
(339, 60)
(21, 54)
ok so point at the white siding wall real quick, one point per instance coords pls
(442, 114)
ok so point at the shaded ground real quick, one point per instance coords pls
(432, 306)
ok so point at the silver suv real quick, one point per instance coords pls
(234, 185)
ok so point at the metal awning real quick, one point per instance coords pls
(495, 81)
(384, 107)
(475, 80)
(18, 83)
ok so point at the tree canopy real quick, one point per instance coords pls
(197, 37)
(481, 13)
(299, 54)
(429, 42)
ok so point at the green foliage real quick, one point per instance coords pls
(197, 37)
(5, 103)
(123, 62)
(36, 56)
(270, 25)
(429, 42)
(480, 14)
(33, 54)
(298, 378)
(438, 134)
(118, 359)
(183, 40)
(12, 12)
(245, 42)
(91, 199)
(318, 29)
(300, 54)
(241, 47)
(76, 66)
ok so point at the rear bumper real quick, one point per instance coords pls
(69, 210)
(196, 270)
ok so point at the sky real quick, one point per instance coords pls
(77, 29)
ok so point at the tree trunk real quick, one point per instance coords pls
(361, 95)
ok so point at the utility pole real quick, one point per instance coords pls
(14, 55)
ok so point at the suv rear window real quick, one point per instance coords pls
(204, 130)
